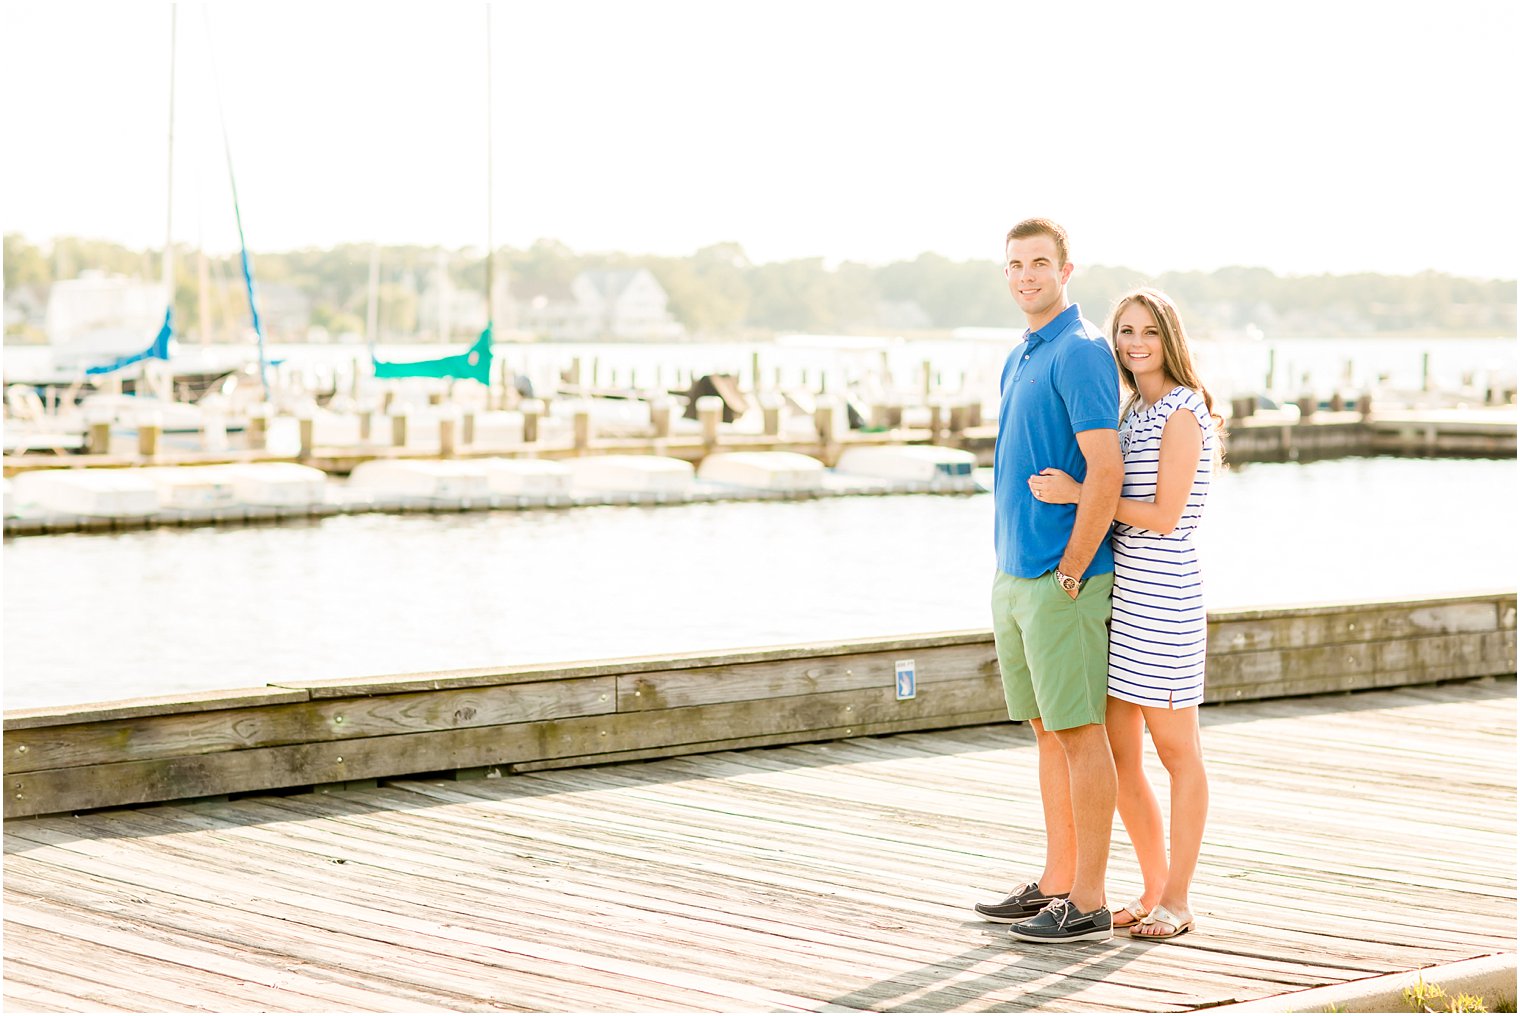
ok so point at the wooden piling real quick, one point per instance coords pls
(257, 430)
(823, 420)
(659, 417)
(582, 421)
(148, 434)
(709, 414)
(99, 440)
(398, 430)
(531, 408)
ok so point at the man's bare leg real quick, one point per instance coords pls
(1055, 799)
(1092, 794)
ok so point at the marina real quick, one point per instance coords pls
(662, 469)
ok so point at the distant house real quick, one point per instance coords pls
(460, 311)
(608, 304)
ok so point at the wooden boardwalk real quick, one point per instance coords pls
(1351, 835)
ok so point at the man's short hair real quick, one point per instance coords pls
(1041, 227)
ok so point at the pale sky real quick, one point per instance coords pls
(1304, 137)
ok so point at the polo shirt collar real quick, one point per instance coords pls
(1055, 326)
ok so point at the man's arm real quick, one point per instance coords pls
(1100, 498)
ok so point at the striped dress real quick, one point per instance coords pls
(1157, 637)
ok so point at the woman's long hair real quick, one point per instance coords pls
(1175, 358)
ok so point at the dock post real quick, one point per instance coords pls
(531, 408)
(1425, 371)
(957, 419)
(709, 414)
(98, 442)
(582, 428)
(754, 371)
(770, 411)
(823, 420)
(1306, 406)
(366, 424)
(467, 428)
(398, 429)
(1364, 406)
(149, 428)
(659, 417)
(258, 428)
(934, 421)
(308, 429)
(447, 431)
(928, 379)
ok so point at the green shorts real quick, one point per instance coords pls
(1053, 650)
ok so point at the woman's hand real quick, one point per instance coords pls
(1052, 486)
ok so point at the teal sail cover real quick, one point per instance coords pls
(159, 350)
(474, 363)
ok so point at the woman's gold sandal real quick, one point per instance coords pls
(1172, 924)
(1137, 911)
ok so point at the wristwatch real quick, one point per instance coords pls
(1067, 582)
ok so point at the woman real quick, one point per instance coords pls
(1169, 434)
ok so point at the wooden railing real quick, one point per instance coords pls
(329, 733)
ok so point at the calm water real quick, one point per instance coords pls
(94, 617)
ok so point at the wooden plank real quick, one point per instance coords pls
(340, 687)
(380, 922)
(1498, 595)
(153, 737)
(83, 787)
(780, 678)
(979, 718)
(65, 964)
(160, 705)
(1357, 664)
(1361, 623)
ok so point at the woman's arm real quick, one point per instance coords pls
(1181, 443)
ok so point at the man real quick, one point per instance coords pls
(1051, 595)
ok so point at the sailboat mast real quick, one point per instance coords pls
(372, 311)
(168, 266)
(490, 238)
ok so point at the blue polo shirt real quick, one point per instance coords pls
(1059, 381)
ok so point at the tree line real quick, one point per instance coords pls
(719, 293)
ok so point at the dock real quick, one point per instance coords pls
(1482, 432)
(1350, 836)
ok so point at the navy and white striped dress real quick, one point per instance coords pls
(1158, 633)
